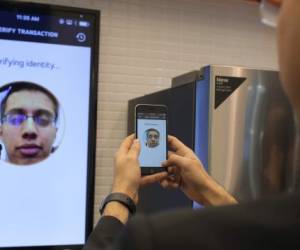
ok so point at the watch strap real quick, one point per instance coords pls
(119, 197)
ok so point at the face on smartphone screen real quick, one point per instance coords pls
(151, 130)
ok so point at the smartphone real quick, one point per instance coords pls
(151, 123)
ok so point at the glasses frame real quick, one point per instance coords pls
(5, 119)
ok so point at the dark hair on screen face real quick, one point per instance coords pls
(19, 86)
(152, 129)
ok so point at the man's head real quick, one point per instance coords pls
(152, 136)
(28, 117)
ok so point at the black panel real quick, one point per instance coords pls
(181, 106)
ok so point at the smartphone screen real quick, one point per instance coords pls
(151, 129)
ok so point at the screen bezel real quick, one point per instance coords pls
(151, 108)
(49, 9)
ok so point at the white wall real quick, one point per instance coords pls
(144, 43)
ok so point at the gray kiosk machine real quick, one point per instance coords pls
(240, 124)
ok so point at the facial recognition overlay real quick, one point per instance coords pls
(152, 134)
(44, 138)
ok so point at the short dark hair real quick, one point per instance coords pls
(14, 87)
(152, 129)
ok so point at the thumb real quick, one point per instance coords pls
(149, 179)
(135, 148)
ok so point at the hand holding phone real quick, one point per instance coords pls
(151, 130)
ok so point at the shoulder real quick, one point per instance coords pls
(275, 221)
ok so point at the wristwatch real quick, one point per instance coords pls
(119, 197)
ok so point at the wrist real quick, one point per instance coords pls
(122, 198)
(127, 190)
(118, 205)
(214, 194)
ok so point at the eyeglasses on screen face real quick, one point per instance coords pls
(153, 136)
(41, 119)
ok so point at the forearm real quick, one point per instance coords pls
(213, 194)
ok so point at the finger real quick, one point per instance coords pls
(180, 148)
(176, 145)
(126, 144)
(173, 170)
(135, 148)
(170, 153)
(172, 178)
(174, 185)
(164, 163)
(164, 183)
(178, 161)
(169, 184)
(149, 179)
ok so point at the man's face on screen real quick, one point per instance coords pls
(28, 127)
(152, 138)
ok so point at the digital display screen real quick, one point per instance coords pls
(48, 72)
(152, 132)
